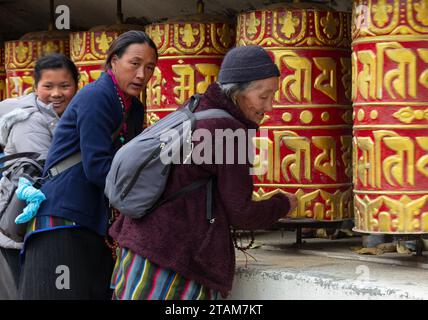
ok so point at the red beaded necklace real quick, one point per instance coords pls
(125, 102)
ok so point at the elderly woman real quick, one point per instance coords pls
(174, 252)
(65, 252)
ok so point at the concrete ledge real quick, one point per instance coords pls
(284, 272)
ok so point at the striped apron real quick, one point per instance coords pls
(136, 278)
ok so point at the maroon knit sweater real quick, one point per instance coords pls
(177, 235)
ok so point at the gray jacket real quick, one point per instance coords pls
(27, 128)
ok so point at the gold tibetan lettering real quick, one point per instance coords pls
(393, 166)
(292, 84)
(365, 165)
(423, 78)
(396, 78)
(366, 81)
(186, 82)
(264, 158)
(326, 82)
(422, 163)
(210, 72)
(154, 92)
(292, 162)
(379, 136)
(380, 52)
(326, 161)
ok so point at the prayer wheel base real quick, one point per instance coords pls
(400, 235)
(297, 224)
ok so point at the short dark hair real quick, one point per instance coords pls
(121, 43)
(55, 61)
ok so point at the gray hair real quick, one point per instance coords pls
(232, 89)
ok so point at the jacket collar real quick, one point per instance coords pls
(46, 108)
(127, 100)
(214, 98)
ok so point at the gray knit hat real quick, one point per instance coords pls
(248, 63)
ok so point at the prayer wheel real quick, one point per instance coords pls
(390, 95)
(2, 73)
(191, 50)
(304, 145)
(21, 56)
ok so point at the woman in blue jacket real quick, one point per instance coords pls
(65, 252)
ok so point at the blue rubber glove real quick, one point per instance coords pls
(34, 197)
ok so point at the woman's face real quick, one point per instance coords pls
(56, 86)
(257, 98)
(134, 68)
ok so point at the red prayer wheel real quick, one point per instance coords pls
(307, 148)
(21, 57)
(390, 94)
(2, 73)
(191, 50)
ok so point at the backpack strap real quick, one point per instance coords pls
(209, 209)
(193, 186)
(206, 114)
(212, 114)
(193, 103)
(13, 156)
(31, 155)
(76, 158)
